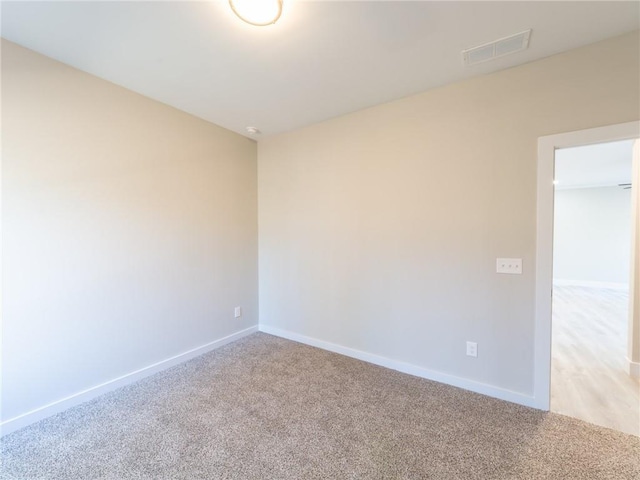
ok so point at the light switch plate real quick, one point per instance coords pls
(512, 266)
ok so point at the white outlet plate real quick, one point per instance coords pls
(237, 312)
(512, 266)
(472, 349)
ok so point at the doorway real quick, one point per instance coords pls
(590, 378)
(547, 147)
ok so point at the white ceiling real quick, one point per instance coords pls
(322, 59)
(603, 164)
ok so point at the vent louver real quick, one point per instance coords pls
(496, 49)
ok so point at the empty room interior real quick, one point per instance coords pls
(593, 331)
(288, 239)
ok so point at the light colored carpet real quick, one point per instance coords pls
(268, 408)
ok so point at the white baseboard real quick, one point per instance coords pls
(403, 367)
(634, 369)
(563, 282)
(45, 411)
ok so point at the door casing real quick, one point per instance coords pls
(547, 146)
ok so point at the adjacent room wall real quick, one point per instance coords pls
(379, 230)
(129, 231)
(592, 236)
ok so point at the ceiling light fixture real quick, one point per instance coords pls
(253, 131)
(257, 12)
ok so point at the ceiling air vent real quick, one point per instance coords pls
(496, 49)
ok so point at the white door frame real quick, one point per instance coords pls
(544, 240)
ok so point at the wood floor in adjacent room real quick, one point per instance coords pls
(589, 373)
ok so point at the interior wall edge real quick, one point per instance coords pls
(12, 424)
(568, 282)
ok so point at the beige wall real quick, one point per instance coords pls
(379, 230)
(129, 231)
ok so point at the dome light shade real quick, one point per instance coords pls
(257, 12)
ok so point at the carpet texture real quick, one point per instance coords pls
(268, 408)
